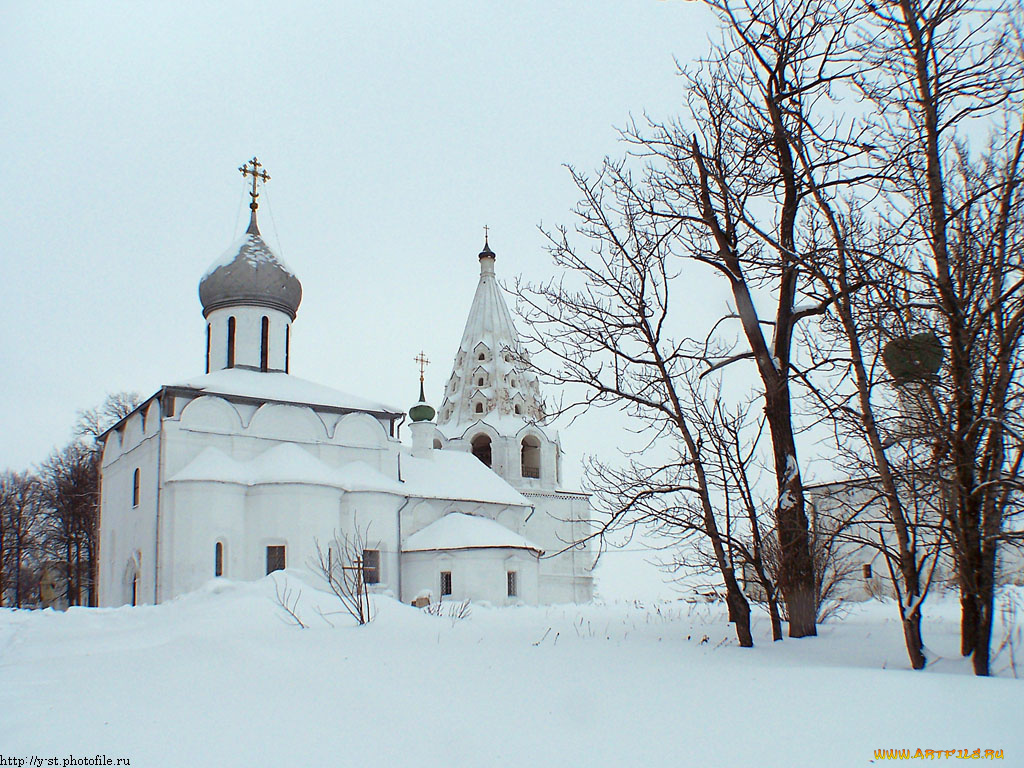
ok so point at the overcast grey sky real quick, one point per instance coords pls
(393, 131)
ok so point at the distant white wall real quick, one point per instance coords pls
(477, 574)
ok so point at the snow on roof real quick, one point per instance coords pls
(456, 475)
(450, 475)
(360, 476)
(457, 530)
(280, 387)
(288, 463)
(284, 463)
(255, 255)
(213, 465)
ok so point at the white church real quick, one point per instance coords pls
(246, 469)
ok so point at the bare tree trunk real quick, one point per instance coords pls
(69, 572)
(796, 565)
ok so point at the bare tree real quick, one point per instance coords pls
(341, 565)
(70, 485)
(940, 70)
(724, 190)
(20, 505)
(612, 338)
(288, 601)
(748, 521)
(95, 421)
(55, 513)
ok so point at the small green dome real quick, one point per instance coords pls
(422, 411)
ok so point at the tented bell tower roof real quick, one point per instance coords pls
(490, 379)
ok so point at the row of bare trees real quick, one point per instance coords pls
(49, 518)
(849, 172)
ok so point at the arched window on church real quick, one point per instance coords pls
(437, 444)
(531, 457)
(287, 346)
(479, 408)
(218, 559)
(135, 488)
(264, 342)
(481, 356)
(519, 410)
(480, 381)
(207, 347)
(482, 448)
(231, 342)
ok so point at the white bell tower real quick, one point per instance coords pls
(492, 403)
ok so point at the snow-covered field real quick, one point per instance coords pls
(218, 678)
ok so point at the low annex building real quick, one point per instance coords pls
(246, 469)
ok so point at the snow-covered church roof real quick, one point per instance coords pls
(280, 387)
(457, 530)
(456, 475)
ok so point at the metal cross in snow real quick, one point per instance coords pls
(257, 175)
(421, 358)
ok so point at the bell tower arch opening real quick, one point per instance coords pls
(531, 457)
(482, 448)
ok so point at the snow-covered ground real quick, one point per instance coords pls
(219, 678)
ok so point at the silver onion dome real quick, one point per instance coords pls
(250, 274)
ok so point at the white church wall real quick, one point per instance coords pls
(248, 519)
(151, 423)
(359, 430)
(214, 422)
(320, 511)
(374, 518)
(111, 449)
(291, 514)
(132, 433)
(128, 530)
(287, 423)
(846, 512)
(245, 412)
(210, 414)
(419, 515)
(477, 574)
(196, 515)
(559, 520)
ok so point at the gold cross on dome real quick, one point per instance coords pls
(486, 231)
(257, 175)
(421, 358)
